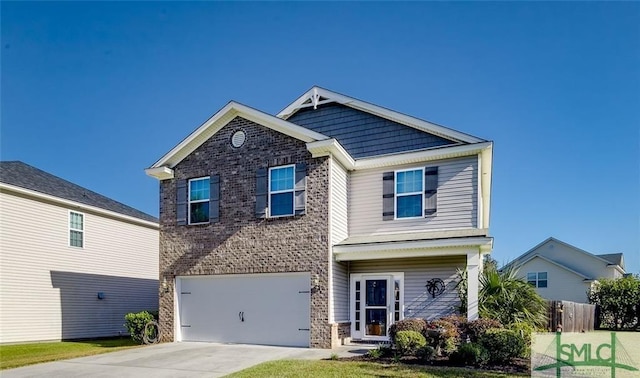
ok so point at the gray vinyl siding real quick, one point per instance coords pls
(457, 199)
(417, 301)
(363, 134)
(339, 231)
(48, 290)
(340, 284)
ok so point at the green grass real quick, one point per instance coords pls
(16, 355)
(325, 368)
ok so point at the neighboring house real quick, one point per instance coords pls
(329, 221)
(72, 262)
(560, 271)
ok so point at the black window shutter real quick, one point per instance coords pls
(300, 189)
(261, 193)
(388, 195)
(430, 190)
(214, 200)
(181, 202)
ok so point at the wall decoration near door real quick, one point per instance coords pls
(435, 287)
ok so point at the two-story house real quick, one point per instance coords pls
(329, 221)
(72, 262)
(561, 271)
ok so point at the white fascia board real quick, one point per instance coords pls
(220, 119)
(486, 157)
(416, 248)
(160, 173)
(404, 119)
(423, 156)
(334, 148)
(76, 205)
(537, 256)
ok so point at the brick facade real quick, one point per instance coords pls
(241, 243)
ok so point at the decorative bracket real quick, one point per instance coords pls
(315, 98)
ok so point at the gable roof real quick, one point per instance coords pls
(22, 175)
(219, 120)
(318, 96)
(525, 256)
(363, 134)
(614, 258)
(538, 256)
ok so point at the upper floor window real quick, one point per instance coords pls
(199, 200)
(409, 193)
(281, 191)
(76, 229)
(537, 279)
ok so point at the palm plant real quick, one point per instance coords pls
(509, 299)
(505, 297)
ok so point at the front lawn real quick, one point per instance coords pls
(16, 355)
(326, 368)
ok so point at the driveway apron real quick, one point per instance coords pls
(175, 360)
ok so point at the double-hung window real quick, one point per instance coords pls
(281, 191)
(76, 229)
(537, 279)
(199, 200)
(409, 193)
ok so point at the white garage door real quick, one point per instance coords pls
(268, 309)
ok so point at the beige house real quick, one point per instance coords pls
(328, 221)
(72, 262)
(560, 271)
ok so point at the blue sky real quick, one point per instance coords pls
(96, 92)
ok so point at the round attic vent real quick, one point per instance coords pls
(238, 138)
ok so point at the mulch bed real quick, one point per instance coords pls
(517, 366)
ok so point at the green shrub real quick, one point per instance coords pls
(619, 302)
(477, 327)
(443, 336)
(409, 342)
(470, 354)
(410, 324)
(136, 322)
(503, 344)
(525, 331)
(380, 351)
(426, 353)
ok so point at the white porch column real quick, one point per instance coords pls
(473, 283)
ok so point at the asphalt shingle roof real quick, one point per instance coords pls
(614, 258)
(17, 173)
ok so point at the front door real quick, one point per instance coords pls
(376, 306)
(376, 303)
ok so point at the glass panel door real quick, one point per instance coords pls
(376, 306)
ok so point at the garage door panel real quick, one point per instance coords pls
(271, 309)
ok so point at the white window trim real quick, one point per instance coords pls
(396, 195)
(538, 279)
(189, 201)
(292, 191)
(82, 231)
(396, 276)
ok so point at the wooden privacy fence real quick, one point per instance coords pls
(565, 316)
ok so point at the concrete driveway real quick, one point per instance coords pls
(176, 360)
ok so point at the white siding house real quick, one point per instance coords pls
(560, 271)
(70, 269)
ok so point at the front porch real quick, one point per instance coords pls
(394, 280)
